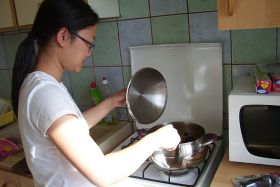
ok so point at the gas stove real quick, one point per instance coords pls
(194, 79)
(148, 174)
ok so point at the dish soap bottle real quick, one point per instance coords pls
(106, 93)
(94, 93)
(95, 97)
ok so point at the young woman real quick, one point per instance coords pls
(55, 134)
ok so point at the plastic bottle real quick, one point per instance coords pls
(94, 93)
(95, 97)
(107, 91)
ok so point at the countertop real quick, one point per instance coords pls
(106, 136)
(227, 170)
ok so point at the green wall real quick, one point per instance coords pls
(145, 22)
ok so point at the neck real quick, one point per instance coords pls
(48, 62)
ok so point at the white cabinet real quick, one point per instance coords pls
(17, 13)
(105, 8)
(21, 13)
(7, 15)
(26, 11)
(8, 179)
(26, 182)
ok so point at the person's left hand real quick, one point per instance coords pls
(118, 99)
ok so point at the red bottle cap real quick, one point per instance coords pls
(93, 84)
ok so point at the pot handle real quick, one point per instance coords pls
(208, 139)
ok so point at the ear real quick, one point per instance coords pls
(62, 36)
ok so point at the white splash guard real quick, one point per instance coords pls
(193, 74)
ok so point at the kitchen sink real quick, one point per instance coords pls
(98, 132)
(108, 137)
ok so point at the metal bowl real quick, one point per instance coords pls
(146, 95)
(190, 152)
(170, 160)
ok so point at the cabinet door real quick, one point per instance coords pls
(26, 11)
(7, 14)
(9, 179)
(26, 182)
(247, 14)
(105, 8)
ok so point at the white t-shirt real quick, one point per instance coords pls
(43, 100)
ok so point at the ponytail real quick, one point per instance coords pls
(24, 63)
(51, 16)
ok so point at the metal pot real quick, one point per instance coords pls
(146, 95)
(190, 152)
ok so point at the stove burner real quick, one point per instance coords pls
(177, 166)
(150, 172)
(180, 172)
(132, 141)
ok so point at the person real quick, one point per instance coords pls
(55, 133)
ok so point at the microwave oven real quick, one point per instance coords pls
(254, 124)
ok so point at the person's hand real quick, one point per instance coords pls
(167, 137)
(118, 99)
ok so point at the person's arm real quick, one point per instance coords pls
(95, 114)
(80, 149)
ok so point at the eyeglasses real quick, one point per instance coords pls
(91, 45)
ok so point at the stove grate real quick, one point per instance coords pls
(145, 176)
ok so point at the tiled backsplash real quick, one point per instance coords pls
(145, 22)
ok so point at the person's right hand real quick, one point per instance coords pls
(167, 137)
(118, 99)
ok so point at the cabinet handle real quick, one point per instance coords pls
(229, 8)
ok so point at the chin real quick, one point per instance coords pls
(78, 70)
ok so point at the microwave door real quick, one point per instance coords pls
(260, 128)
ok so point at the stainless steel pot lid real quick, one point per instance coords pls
(146, 95)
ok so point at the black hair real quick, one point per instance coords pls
(51, 16)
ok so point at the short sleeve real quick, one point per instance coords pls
(49, 102)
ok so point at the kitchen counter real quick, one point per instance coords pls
(106, 136)
(227, 170)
